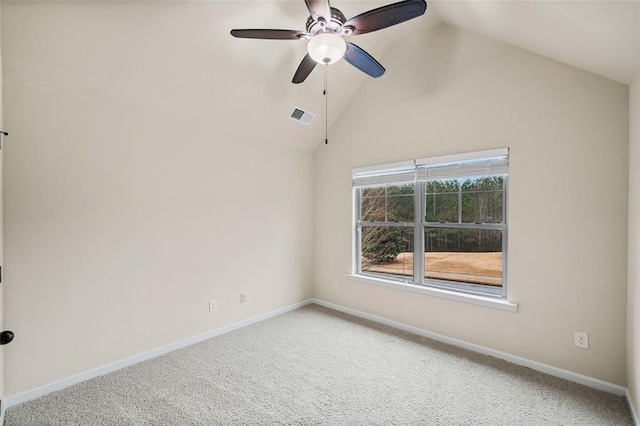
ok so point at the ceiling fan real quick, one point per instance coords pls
(326, 27)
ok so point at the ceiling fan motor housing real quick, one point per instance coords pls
(334, 26)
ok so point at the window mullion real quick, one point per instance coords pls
(495, 226)
(505, 234)
(459, 200)
(418, 232)
(386, 203)
(357, 247)
(387, 224)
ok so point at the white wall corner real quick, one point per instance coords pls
(632, 408)
(633, 251)
(3, 410)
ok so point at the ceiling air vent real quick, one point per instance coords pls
(302, 116)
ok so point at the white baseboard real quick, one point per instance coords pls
(12, 400)
(535, 365)
(632, 408)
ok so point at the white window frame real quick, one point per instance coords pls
(483, 161)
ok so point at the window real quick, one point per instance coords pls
(436, 222)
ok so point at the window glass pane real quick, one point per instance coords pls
(387, 251)
(377, 191)
(373, 209)
(482, 200)
(442, 201)
(464, 255)
(402, 189)
(389, 203)
(400, 208)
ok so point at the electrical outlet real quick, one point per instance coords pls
(581, 340)
(213, 305)
(335, 285)
(243, 298)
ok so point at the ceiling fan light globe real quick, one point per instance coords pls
(327, 48)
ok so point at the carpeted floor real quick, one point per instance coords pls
(315, 366)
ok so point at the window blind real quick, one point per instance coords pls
(394, 173)
(493, 162)
(405, 176)
(487, 167)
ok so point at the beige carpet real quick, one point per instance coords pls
(315, 366)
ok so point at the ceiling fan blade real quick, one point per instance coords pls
(269, 34)
(304, 69)
(386, 16)
(363, 61)
(319, 9)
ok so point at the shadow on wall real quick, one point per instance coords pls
(438, 54)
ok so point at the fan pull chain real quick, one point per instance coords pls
(326, 107)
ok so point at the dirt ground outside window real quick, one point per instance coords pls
(476, 268)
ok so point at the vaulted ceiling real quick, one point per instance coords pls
(179, 58)
(602, 37)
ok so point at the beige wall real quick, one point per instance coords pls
(124, 219)
(448, 91)
(633, 283)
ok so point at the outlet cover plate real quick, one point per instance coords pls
(581, 340)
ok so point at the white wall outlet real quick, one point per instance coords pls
(581, 340)
(243, 298)
(335, 285)
(213, 305)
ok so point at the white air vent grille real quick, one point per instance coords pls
(302, 116)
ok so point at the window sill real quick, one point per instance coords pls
(490, 302)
